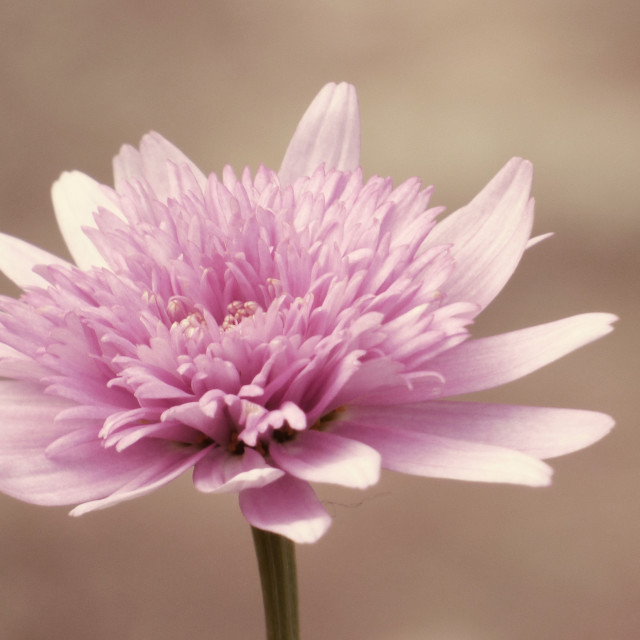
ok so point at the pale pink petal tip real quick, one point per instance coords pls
(328, 133)
(489, 235)
(154, 164)
(18, 258)
(76, 198)
(537, 239)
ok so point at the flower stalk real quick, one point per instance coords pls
(277, 565)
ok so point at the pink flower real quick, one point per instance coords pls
(270, 331)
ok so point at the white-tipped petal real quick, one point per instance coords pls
(489, 235)
(538, 239)
(154, 162)
(329, 133)
(76, 197)
(18, 258)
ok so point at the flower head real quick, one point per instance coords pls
(271, 330)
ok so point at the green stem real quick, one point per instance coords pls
(277, 564)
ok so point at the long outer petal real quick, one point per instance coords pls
(489, 235)
(424, 454)
(18, 258)
(329, 133)
(490, 362)
(87, 472)
(288, 507)
(76, 197)
(543, 432)
(148, 479)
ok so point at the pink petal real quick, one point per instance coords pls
(542, 432)
(424, 454)
(76, 197)
(392, 389)
(324, 457)
(329, 133)
(489, 362)
(153, 164)
(149, 478)
(85, 472)
(18, 258)
(222, 471)
(288, 507)
(489, 235)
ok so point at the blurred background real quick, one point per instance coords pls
(449, 90)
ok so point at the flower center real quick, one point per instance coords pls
(191, 324)
(237, 311)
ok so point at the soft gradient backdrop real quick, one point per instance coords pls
(449, 90)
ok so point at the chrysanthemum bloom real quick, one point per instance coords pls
(269, 331)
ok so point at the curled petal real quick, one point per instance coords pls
(288, 507)
(324, 457)
(223, 472)
(329, 133)
(537, 239)
(489, 362)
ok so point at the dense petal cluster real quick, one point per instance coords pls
(271, 330)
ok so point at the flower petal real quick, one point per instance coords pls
(149, 478)
(223, 472)
(324, 457)
(542, 432)
(153, 164)
(85, 473)
(329, 133)
(489, 362)
(489, 235)
(288, 507)
(532, 242)
(76, 197)
(18, 258)
(424, 454)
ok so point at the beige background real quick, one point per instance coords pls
(449, 90)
